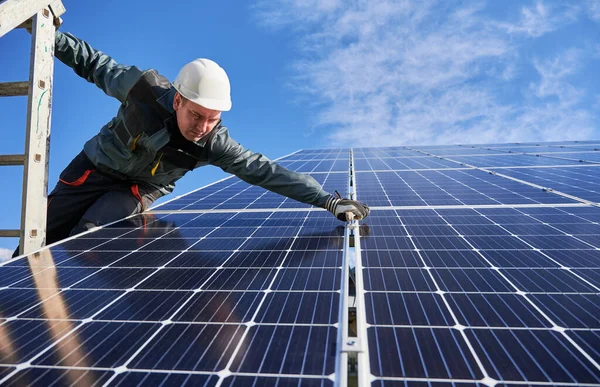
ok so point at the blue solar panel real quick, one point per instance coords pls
(449, 152)
(454, 187)
(361, 153)
(402, 163)
(258, 306)
(589, 157)
(592, 146)
(511, 161)
(334, 165)
(545, 143)
(504, 303)
(534, 149)
(463, 277)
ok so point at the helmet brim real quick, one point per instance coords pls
(208, 103)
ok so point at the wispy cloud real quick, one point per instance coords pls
(5, 254)
(554, 73)
(538, 19)
(407, 72)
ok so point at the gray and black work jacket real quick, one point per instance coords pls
(143, 142)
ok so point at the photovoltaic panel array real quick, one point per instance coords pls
(483, 294)
(478, 266)
(484, 275)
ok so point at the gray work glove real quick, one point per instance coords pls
(346, 209)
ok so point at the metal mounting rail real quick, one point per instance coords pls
(357, 346)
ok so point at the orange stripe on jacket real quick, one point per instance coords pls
(136, 192)
(79, 181)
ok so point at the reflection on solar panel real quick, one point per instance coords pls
(478, 266)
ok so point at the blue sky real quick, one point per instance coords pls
(333, 73)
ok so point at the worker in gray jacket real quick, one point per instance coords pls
(161, 132)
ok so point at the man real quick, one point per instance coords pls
(161, 132)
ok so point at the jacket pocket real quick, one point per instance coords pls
(122, 133)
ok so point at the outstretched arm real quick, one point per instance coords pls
(257, 169)
(114, 79)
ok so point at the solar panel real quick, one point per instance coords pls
(478, 266)
(467, 295)
(254, 299)
(480, 294)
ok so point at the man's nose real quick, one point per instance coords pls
(203, 125)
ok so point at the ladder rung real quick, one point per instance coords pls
(12, 89)
(12, 160)
(10, 233)
(28, 24)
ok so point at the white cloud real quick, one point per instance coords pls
(553, 74)
(414, 72)
(540, 18)
(5, 254)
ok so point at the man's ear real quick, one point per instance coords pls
(177, 101)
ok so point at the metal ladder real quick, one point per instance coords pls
(41, 17)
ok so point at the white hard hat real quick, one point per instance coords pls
(204, 82)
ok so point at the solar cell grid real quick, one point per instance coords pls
(590, 157)
(558, 155)
(316, 166)
(499, 296)
(215, 295)
(545, 143)
(448, 152)
(595, 146)
(402, 163)
(373, 153)
(580, 182)
(464, 187)
(512, 160)
(534, 149)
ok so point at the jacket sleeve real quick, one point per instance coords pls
(256, 169)
(114, 79)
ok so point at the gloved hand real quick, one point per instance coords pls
(346, 209)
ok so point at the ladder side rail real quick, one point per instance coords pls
(37, 142)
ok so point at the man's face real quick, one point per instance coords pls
(194, 121)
